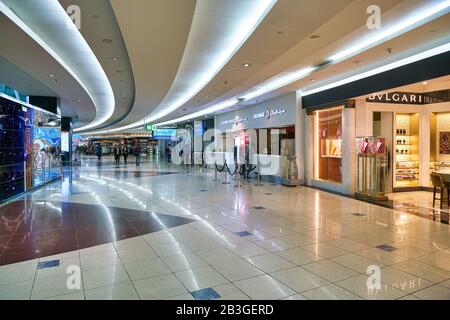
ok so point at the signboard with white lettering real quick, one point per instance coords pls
(278, 112)
(411, 97)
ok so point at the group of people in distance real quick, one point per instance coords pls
(122, 150)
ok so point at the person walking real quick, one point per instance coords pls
(137, 154)
(125, 153)
(169, 153)
(116, 151)
(99, 152)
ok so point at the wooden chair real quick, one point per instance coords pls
(438, 183)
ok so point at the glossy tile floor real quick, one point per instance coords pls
(420, 203)
(159, 232)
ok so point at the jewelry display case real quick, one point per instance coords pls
(372, 168)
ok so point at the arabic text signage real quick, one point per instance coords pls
(269, 113)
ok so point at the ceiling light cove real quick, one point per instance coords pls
(207, 111)
(206, 53)
(428, 11)
(74, 54)
(263, 88)
(384, 68)
(277, 82)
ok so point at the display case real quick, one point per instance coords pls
(407, 150)
(372, 168)
(440, 166)
(439, 143)
(328, 145)
(331, 148)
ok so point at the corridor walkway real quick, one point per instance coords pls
(159, 232)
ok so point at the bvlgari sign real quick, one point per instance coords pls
(410, 97)
(397, 97)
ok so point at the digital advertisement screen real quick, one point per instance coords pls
(64, 141)
(164, 134)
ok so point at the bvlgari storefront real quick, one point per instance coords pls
(415, 121)
(383, 142)
(379, 142)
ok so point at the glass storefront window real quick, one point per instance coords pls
(328, 145)
(440, 142)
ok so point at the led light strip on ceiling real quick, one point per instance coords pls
(428, 11)
(387, 67)
(390, 66)
(94, 81)
(197, 70)
(423, 14)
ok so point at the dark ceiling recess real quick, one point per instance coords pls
(426, 69)
(47, 103)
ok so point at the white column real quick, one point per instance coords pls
(424, 148)
(348, 151)
(309, 149)
(300, 137)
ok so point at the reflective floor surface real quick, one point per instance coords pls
(161, 232)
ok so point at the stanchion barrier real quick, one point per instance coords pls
(223, 167)
(235, 169)
(215, 175)
(258, 183)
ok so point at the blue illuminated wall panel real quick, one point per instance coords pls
(15, 136)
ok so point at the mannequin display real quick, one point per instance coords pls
(365, 146)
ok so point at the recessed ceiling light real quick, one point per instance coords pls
(314, 36)
(114, 59)
(51, 75)
(78, 100)
(124, 94)
(246, 65)
(313, 79)
(205, 97)
(107, 40)
(425, 83)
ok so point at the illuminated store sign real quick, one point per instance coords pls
(269, 113)
(234, 121)
(411, 97)
(164, 134)
(150, 127)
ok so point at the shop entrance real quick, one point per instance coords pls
(383, 126)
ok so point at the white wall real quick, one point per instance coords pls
(287, 102)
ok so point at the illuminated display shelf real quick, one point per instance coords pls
(406, 151)
(331, 148)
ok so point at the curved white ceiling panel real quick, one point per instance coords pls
(402, 19)
(47, 23)
(219, 28)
